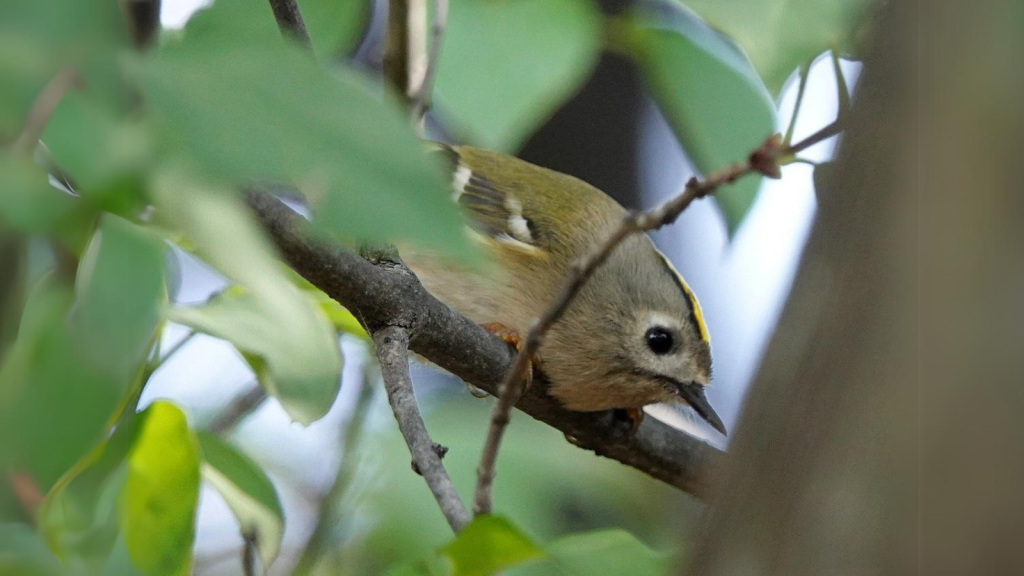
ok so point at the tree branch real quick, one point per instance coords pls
(289, 20)
(392, 345)
(387, 295)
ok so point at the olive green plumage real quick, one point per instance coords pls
(633, 336)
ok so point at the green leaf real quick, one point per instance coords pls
(335, 28)
(120, 286)
(161, 493)
(506, 66)
(78, 354)
(709, 93)
(611, 552)
(270, 318)
(105, 155)
(434, 565)
(23, 554)
(339, 316)
(488, 544)
(247, 110)
(28, 203)
(13, 284)
(80, 514)
(39, 37)
(248, 492)
(782, 35)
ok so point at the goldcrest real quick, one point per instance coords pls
(633, 336)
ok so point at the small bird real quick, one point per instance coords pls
(633, 336)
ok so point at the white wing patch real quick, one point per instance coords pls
(460, 178)
(517, 224)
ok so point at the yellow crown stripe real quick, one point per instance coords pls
(698, 315)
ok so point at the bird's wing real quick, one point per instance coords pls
(496, 209)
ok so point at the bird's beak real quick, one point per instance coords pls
(693, 393)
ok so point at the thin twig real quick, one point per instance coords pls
(804, 73)
(289, 20)
(239, 408)
(424, 96)
(392, 344)
(485, 471)
(249, 554)
(578, 276)
(43, 107)
(823, 134)
(842, 91)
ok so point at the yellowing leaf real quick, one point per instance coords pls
(161, 493)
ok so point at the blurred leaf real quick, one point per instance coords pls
(342, 320)
(119, 563)
(611, 552)
(506, 66)
(249, 110)
(272, 319)
(335, 28)
(488, 544)
(28, 203)
(39, 37)
(781, 36)
(161, 493)
(77, 355)
(80, 514)
(23, 554)
(708, 91)
(434, 565)
(248, 492)
(120, 287)
(13, 276)
(104, 154)
(301, 373)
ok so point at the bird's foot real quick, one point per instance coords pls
(628, 418)
(513, 338)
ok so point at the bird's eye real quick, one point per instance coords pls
(659, 340)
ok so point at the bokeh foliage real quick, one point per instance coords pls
(145, 149)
